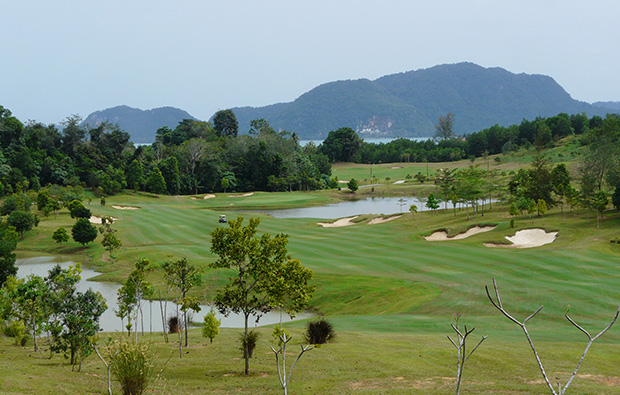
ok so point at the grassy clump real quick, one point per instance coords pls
(132, 367)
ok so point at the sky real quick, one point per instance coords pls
(61, 57)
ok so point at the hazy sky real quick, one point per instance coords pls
(65, 57)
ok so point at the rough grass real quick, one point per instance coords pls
(356, 363)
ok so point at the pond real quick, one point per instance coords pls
(109, 322)
(372, 205)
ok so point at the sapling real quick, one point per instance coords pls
(461, 349)
(284, 378)
(561, 390)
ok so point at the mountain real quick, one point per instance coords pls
(609, 105)
(140, 124)
(409, 104)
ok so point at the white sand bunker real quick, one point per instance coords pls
(209, 196)
(339, 223)
(125, 207)
(528, 238)
(97, 220)
(245, 194)
(443, 235)
(380, 220)
(399, 182)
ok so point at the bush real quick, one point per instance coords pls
(319, 332)
(17, 330)
(252, 339)
(132, 367)
(173, 324)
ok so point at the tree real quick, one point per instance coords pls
(352, 185)
(60, 235)
(8, 243)
(78, 210)
(132, 293)
(184, 276)
(341, 145)
(30, 296)
(156, 183)
(266, 277)
(225, 184)
(75, 318)
(600, 202)
(21, 221)
(225, 123)
(541, 206)
(432, 202)
(110, 242)
(444, 130)
(135, 175)
(83, 231)
(211, 326)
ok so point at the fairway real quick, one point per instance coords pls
(386, 279)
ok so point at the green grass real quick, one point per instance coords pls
(357, 362)
(390, 293)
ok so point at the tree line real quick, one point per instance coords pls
(194, 157)
(344, 145)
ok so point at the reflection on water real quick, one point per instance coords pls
(373, 205)
(110, 322)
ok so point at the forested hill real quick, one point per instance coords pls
(409, 104)
(140, 124)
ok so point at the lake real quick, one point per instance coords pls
(372, 205)
(109, 322)
(370, 140)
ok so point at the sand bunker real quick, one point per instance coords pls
(527, 238)
(245, 194)
(209, 196)
(380, 220)
(443, 235)
(97, 220)
(399, 182)
(125, 207)
(339, 223)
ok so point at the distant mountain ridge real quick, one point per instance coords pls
(142, 125)
(406, 104)
(409, 104)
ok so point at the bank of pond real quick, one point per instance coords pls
(152, 310)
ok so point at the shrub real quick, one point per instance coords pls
(251, 340)
(17, 330)
(319, 332)
(173, 324)
(132, 367)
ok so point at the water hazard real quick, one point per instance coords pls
(109, 322)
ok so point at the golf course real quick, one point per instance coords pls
(390, 294)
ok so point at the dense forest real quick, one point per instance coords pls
(194, 157)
